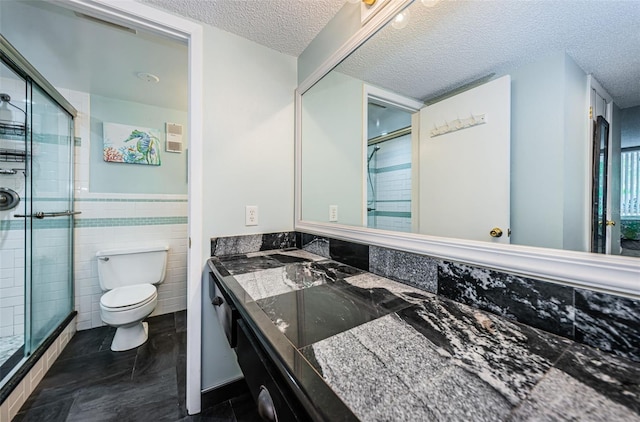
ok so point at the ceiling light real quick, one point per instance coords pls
(401, 20)
(430, 3)
(148, 77)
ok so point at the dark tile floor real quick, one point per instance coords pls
(89, 382)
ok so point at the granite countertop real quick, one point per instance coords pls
(360, 346)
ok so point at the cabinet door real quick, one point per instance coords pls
(225, 310)
(275, 401)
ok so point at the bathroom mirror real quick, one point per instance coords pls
(475, 121)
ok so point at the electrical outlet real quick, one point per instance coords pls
(333, 213)
(251, 215)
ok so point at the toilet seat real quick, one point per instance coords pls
(128, 297)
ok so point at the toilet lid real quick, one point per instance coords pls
(128, 296)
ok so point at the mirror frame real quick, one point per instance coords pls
(604, 273)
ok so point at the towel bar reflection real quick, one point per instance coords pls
(40, 215)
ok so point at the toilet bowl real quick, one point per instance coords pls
(129, 276)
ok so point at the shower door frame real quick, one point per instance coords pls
(13, 60)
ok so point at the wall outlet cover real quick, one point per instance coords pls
(333, 213)
(251, 215)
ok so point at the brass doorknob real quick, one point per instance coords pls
(495, 232)
(610, 223)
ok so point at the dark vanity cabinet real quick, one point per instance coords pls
(225, 309)
(275, 400)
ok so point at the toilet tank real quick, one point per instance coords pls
(126, 267)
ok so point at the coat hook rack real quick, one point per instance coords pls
(459, 124)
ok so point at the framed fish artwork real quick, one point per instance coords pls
(131, 144)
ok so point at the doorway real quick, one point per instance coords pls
(388, 167)
(141, 17)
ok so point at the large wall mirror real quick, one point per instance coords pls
(476, 121)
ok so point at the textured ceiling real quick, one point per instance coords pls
(454, 43)
(287, 26)
(442, 48)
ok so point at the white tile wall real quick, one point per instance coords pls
(172, 293)
(392, 185)
(16, 399)
(12, 241)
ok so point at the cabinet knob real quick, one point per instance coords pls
(266, 409)
(217, 301)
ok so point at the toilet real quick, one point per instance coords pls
(129, 276)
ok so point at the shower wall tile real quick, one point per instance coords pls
(536, 303)
(11, 281)
(608, 322)
(416, 270)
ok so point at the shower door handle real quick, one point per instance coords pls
(40, 215)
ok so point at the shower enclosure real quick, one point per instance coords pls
(36, 218)
(388, 166)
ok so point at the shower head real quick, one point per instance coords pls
(5, 98)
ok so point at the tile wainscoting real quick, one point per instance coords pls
(111, 221)
(600, 320)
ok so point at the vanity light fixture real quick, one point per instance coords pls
(401, 20)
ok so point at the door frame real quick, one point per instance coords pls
(392, 99)
(133, 14)
(594, 85)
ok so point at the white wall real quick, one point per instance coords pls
(536, 154)
(248, 145)
(630, 123)
(332, 150)
(248, 158)
(549, 154)
(576, 154)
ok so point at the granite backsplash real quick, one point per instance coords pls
(607, 322)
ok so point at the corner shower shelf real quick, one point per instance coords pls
(12, 155)
(11, 128)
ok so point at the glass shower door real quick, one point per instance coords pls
(49, 226)
(13, 96)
